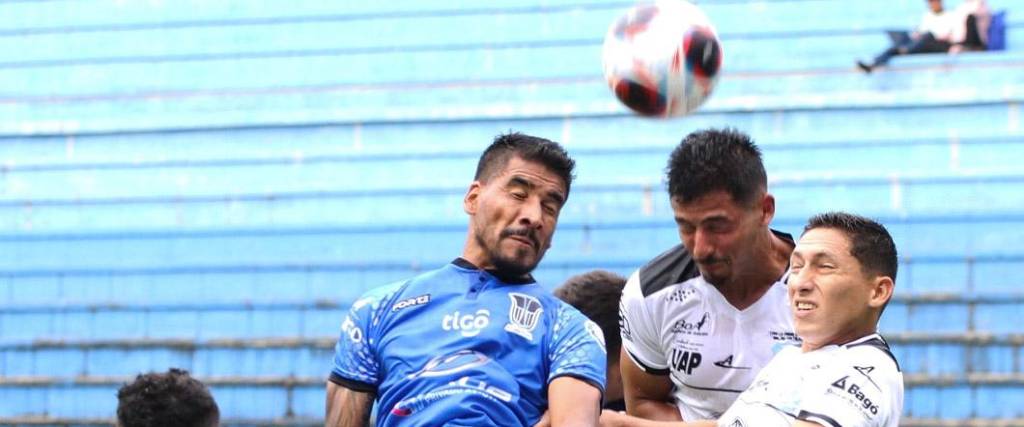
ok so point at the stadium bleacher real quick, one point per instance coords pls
(209, 185)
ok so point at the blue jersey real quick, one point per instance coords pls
(458, 346)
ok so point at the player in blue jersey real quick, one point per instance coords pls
(478, 342)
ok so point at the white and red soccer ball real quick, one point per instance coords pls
(662, 59)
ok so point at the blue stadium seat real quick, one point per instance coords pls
(921, 402)
(994, 358)
(992, 402)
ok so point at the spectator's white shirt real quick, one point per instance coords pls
(941, 25)
(982, 14)
(857, 384)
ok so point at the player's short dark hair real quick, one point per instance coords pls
(716, 160)
(596, 294)
(172, 399)
(530, 148)
(870, 242)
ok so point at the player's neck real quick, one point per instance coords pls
(475, 253)
(852, 333)
(746, 287)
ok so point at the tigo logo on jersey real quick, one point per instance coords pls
(469, 325)
(523, 315)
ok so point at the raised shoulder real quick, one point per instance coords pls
(670, 267)
(676, 265)
(873, 348)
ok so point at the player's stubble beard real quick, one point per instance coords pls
(517, 265)
(718, 279)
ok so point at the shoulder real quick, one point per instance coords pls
(401, 294)
(872, 349)
(670, 267)
(373, 298)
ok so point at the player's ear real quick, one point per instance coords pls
(881, 291)
(767, 208)
(469, 203)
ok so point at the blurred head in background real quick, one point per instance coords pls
(172, 399)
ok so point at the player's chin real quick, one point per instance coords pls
(713, 275)
(805, 329)
(520, 261)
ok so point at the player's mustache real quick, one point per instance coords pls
(521, 232)
(710, 260)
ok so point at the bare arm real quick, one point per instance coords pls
(346, 407)
(573, 402)
(647, 396)
(802, 423)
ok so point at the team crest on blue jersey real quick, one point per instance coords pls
(523, 315)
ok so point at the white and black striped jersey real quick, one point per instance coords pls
(675, 323)
(858, 384)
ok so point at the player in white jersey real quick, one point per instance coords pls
(841, 277)
(699, 321)
(688, 331)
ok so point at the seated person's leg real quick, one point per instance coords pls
(973, 41)
(927, 44)
(881, 59)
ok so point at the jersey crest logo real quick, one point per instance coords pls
(523, 315)
(737, 423)
(727, 364)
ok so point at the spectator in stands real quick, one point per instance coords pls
(842, 274)
(478, 341)
(700, 320)
(172, 399)
(596, 294)
(934, 34)
(972, 19)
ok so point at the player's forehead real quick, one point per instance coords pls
(823, 242)
(718, 204)
(533, 174)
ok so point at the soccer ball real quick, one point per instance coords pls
(662, 59)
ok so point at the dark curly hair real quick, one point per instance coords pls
(713, 160)
(596, 294)
(172, 399)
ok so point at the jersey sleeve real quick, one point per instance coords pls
(849, 395)
(356, 365)
(639, 330)
(577, 348)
